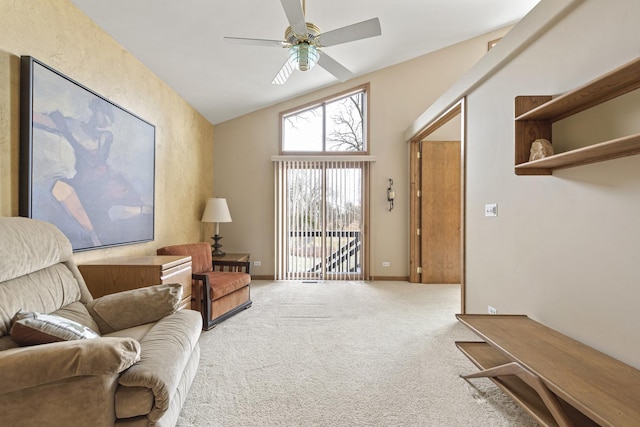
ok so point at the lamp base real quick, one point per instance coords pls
(217, 245)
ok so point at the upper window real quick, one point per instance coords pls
(335, 125)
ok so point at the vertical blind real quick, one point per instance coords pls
(320, 219)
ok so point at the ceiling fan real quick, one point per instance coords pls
(305, 40)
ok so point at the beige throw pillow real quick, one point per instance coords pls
(77, 312)
(134, 307)
(31, 328)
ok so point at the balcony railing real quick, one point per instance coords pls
(343, 251)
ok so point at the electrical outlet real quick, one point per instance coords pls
(491, 209)
(257, 263)
(492, 310)
(386, 263)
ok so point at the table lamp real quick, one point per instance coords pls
(216, 211)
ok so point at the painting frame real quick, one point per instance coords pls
(87, 165)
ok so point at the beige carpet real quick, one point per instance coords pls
(343, 354)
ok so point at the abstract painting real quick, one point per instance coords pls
(86, 164)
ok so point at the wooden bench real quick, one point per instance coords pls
(556, 379)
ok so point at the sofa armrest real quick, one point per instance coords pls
(127, 309)
(167, 348)
(26, 367)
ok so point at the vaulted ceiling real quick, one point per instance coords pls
(182, 41)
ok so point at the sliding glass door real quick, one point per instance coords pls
(321, 214)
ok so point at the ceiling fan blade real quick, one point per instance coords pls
(284, 73)
(361, 30)
(256, 42)
(295, 16)
(334, 67)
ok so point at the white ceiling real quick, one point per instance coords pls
(181, 41)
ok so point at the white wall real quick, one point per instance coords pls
(564, 248)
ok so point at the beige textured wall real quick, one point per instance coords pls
(398, 94)
(61, 36)
(564, 248)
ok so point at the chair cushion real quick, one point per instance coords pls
(30, 369)
(30, 245)
(43, 291)
(225, 282)
(201, 261)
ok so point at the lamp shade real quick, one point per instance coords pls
(216, 211)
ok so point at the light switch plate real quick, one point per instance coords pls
(491, 209)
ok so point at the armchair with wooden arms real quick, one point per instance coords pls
(219, 291)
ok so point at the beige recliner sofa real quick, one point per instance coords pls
(124, 359)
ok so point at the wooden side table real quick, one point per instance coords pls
(229, 257)
(111, 275)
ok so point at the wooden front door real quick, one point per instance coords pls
(440, 207)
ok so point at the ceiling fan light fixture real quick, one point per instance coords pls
(304, 55)
(304, 40)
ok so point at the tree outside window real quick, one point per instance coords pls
(336, 125)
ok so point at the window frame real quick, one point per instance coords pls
(364, 88)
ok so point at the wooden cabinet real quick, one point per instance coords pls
(536, 114)
(119, 274)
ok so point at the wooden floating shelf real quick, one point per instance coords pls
(535, 114)
(621, 147)
(622, 80)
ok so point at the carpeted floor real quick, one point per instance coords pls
(343, 354)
